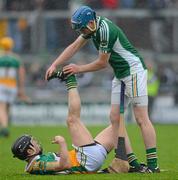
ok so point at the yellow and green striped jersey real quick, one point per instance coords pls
(49, 163)
(9, 65)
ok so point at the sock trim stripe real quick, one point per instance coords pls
(71, 82)
(68, 85)
(71, 87)
(130, 159)
(151, 153)
(152, 157)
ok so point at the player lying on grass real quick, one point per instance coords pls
(88, 154)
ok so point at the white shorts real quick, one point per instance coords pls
(7, 95)
(91, 157)
(135, 89)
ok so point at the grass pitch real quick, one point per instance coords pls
(11, 168)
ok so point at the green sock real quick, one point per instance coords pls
(71, 82)
(4, 132)
(151, 158)
(133, 161)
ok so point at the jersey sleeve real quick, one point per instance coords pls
(44, 165)
(106, 38)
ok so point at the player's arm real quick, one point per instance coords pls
(100, 63)
(21, 78)
(59, 163)
(70, 51)
(21, 85)
(64, 162)
(105, 49)
(66, 55)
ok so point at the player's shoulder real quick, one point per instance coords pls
(15, 56)
(10, 55)
(106, 26)
(40, 163)
(49, 157)
(34, 162)
(104, 22)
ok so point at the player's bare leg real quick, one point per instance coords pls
(147, 129)
(3, 119)
(115, 118)
(79, 133)
(149, 135)
(105, 137)
(3, 115)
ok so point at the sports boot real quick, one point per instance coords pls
(59, 75)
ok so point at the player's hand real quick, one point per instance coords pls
(50, 71)
(58, 140)
(23, 97)
(71, 69)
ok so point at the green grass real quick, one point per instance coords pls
(11, 168)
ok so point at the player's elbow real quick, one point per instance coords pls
(102, 64)
(66, 165)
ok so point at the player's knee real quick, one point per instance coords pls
(114, 117)
(71, 120)
(142, 121)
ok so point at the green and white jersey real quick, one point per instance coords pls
(43, 164)
(49, 163)
(124, 58)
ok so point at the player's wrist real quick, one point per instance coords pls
(54, 65)
(80, 69)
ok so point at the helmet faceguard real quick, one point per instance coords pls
(82, 17)
(23, 144)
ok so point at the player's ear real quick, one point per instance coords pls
(30, 152)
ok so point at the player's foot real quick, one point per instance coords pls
(142, 169)
(103, 171)
(59, 75)
(156, 170)
(4, 132)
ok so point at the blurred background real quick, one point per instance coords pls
(41, 30)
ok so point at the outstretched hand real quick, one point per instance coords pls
(24, 98)
(71, 69)
(50, 71)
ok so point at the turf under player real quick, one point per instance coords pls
(88, 154)
(114, 48)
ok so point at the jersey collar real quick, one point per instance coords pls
(27, 167)
(98, 18)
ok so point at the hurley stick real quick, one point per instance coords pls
(120, 163)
